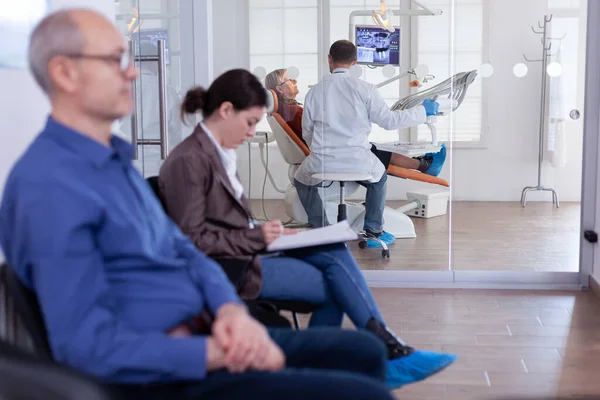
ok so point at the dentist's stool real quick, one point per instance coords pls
(342, 179)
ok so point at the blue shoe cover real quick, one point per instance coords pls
(438, 161)
(385, 237)
(416, 367)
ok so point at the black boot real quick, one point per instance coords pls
(395, 347)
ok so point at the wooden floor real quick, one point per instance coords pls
(510, 344)
(478, 236)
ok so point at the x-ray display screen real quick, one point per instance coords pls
(149, 42)
(377, 46)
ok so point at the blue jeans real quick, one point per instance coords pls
(320, 364)
(374, 204)
(327, 276)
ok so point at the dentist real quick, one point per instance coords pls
(336, 123)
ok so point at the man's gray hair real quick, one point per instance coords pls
(56, 34)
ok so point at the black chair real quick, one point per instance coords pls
(27, 308)
(24, 376)
(293, 306)
(153, 182)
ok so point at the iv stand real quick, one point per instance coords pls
(544, 60)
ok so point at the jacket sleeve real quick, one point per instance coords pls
(56, 239)
(380, 113)
(185, 192)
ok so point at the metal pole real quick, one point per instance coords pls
(134, 127)
(162, 100)
(543, 100)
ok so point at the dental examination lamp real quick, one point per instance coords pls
(383, 17)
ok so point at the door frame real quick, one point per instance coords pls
(591, 149)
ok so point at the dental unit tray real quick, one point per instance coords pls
(408, 149)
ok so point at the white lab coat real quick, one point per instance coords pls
(336, 123)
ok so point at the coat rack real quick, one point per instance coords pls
(546, 47)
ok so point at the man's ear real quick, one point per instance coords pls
(354, 62)
(62, 74)
(278, 89)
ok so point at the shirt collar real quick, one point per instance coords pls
(86, 147)
(340, 71)
(227, 155)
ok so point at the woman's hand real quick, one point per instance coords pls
(273, 229)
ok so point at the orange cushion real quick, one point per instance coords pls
(415, 175)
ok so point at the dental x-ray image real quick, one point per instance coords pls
(377, 46)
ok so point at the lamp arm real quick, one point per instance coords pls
(395, 78)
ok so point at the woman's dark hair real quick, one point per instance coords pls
(237, 86)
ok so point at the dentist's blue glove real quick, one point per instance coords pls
(431, 107)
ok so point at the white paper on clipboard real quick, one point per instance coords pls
(337, 233)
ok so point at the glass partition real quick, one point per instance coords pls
(154, 31)
(516, 189)
(481, 61)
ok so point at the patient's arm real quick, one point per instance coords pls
(187, 207)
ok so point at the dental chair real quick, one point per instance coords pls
(396, 222)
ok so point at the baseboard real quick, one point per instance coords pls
(473, 280)
(594, 286)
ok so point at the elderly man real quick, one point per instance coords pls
(119, 286)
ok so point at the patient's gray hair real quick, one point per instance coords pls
(274, 79)
(56, 34)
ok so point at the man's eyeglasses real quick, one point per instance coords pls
(124, 60)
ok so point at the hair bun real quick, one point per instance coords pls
(194, 101)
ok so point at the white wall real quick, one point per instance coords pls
(510, 161)
(230, 35)
(23, 106)
(232, 50)
(507, 163)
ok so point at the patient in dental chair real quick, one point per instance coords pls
(291, 112)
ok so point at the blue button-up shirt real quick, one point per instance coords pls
(112, 273)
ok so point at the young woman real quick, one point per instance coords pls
(203, 195)
(291, 112)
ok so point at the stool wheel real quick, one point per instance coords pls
(362, 244)
(385, 253)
